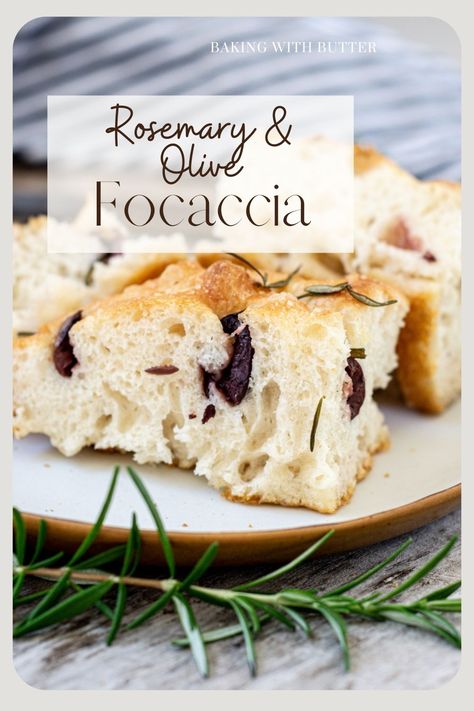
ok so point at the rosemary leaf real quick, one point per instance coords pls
(325, 289)
(130, 547)
(339, 626)
(299, 620)
(55, 593)
(204, 562)
(314, 427)
(277, 612)
(288, 566)
(444, 624)
(105, 609)
(163, 536)
(294, 596)
(248, 638)
(442, 593)
(118, 612)
(368, 573)
(26, 599)
(412, 619)
(122, 588)
(367, 300)
(192, 632)
(46, 562)
(20, 536)
(153, 609)
(40, 540)
(251, 266)
(283, 282)
(215, 635)
(94, 532)
(451, 605)
(251, 612)
(101, 606)
(280, 284)
(421, 572)
(110, 555)
(66, 609)
(19, 579)
(134, 561)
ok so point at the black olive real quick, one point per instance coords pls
(233, 381)
(63, 354)
(357, 397)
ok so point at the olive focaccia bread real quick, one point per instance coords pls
(47, 286)
(408, 231)
(206, 368)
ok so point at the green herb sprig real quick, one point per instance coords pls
(328, 289)
(314, 427)
(280, 284)
(84, 582)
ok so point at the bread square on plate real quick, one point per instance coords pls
(266, 395)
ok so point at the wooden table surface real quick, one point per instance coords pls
(384, 655)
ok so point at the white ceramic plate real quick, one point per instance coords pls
(413, 482)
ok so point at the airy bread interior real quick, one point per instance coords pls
(258, 449)
(47, 285)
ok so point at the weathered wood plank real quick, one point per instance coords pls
(384, 655)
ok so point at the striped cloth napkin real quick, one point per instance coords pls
(407, 100)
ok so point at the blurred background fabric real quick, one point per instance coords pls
(407, 98)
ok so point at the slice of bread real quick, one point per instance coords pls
(409, 232)
(47, 286)
(205, 368)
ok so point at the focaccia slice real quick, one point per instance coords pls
(256, 389)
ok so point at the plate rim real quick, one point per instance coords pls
(444, 496)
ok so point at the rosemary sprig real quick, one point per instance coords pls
(85, 583)
(314, 289)
(280, 284)
(324, 289)
(314, 427)
(328, 289)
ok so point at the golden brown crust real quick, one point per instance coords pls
(366, 158)
(224, 287)
(227, 288)
(417, 363)
(155, 265)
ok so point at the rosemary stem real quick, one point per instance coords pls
(163, 585)
(86, 577)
